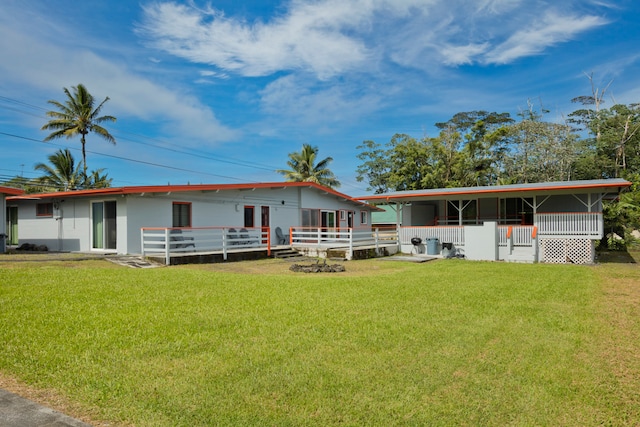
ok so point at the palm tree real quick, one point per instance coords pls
(78, 116)
(303, 168)
(97, 180)
(61, 174)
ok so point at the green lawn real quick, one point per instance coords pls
(393, 343)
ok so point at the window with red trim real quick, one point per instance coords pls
(44, 209)
(181, 214)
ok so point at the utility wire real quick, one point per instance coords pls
(125, 158)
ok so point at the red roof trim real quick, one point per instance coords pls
(438, 192)
(11, 191)
(187, 188)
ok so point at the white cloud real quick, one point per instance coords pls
(309, 38)
(39, 64)
(335, 37)
(306, 104)
(551, 30)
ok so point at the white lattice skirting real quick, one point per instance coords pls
(566, 251)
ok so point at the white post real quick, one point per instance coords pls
(142, 242)
(350, 243)
(167, 247)
(377, 237)
(224, 244)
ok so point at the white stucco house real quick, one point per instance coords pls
(130, 220)
(7, 223)
(556, 222)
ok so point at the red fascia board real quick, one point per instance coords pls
(436, 193)
(11, 191)
(186, 188)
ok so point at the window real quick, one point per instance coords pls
(310, 217)
(181, 214)
(343, 215)
(363, 217)
(249, 216)
(44, 209)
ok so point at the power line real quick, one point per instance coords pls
(159, 143)
(125, 158)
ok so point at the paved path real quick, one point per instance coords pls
(16, 411)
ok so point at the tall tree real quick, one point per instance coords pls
(304, 168)
(77, 116)
(60, 174)
(484, 145)
(375, 168)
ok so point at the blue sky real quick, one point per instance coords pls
(222, 91)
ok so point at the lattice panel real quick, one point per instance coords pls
(563, 251)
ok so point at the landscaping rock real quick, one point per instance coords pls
(317, 268)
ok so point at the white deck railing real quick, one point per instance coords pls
(348, 238)
(579, 224)
(445, 234)
(170, 242)
(520, 235)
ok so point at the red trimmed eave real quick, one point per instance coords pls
(186, 188)
(11, 191)
(489, 190)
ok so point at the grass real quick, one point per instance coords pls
(387, 343)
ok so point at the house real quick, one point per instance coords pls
(142, 219)
(8, 217)
(556, 222)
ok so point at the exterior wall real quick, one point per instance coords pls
(212, 210)
(481, 242)
(70, 227)
(67, 230)
(315, 200)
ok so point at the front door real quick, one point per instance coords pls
(328, 223)
(12, 225)
(264, 220)
(104, 225)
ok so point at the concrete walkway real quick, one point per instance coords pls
(16, 411)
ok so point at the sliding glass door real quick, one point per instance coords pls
(104, 225)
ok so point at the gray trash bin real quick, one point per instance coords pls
(447, 250)
(432, 245)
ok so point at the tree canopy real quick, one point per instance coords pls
(77, 116)
(303, 168)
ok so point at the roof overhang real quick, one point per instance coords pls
(202, 188)
(502, 191)
(10, 191)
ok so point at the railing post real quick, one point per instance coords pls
(377, 237)
(534, 242)
(224, 244)
(350, 243)
(142, 242)
(167, 247)
(268, 241)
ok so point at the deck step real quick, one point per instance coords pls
(286, 253)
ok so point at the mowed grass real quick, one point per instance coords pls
(388, 343)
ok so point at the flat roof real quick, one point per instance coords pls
(604, 185)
